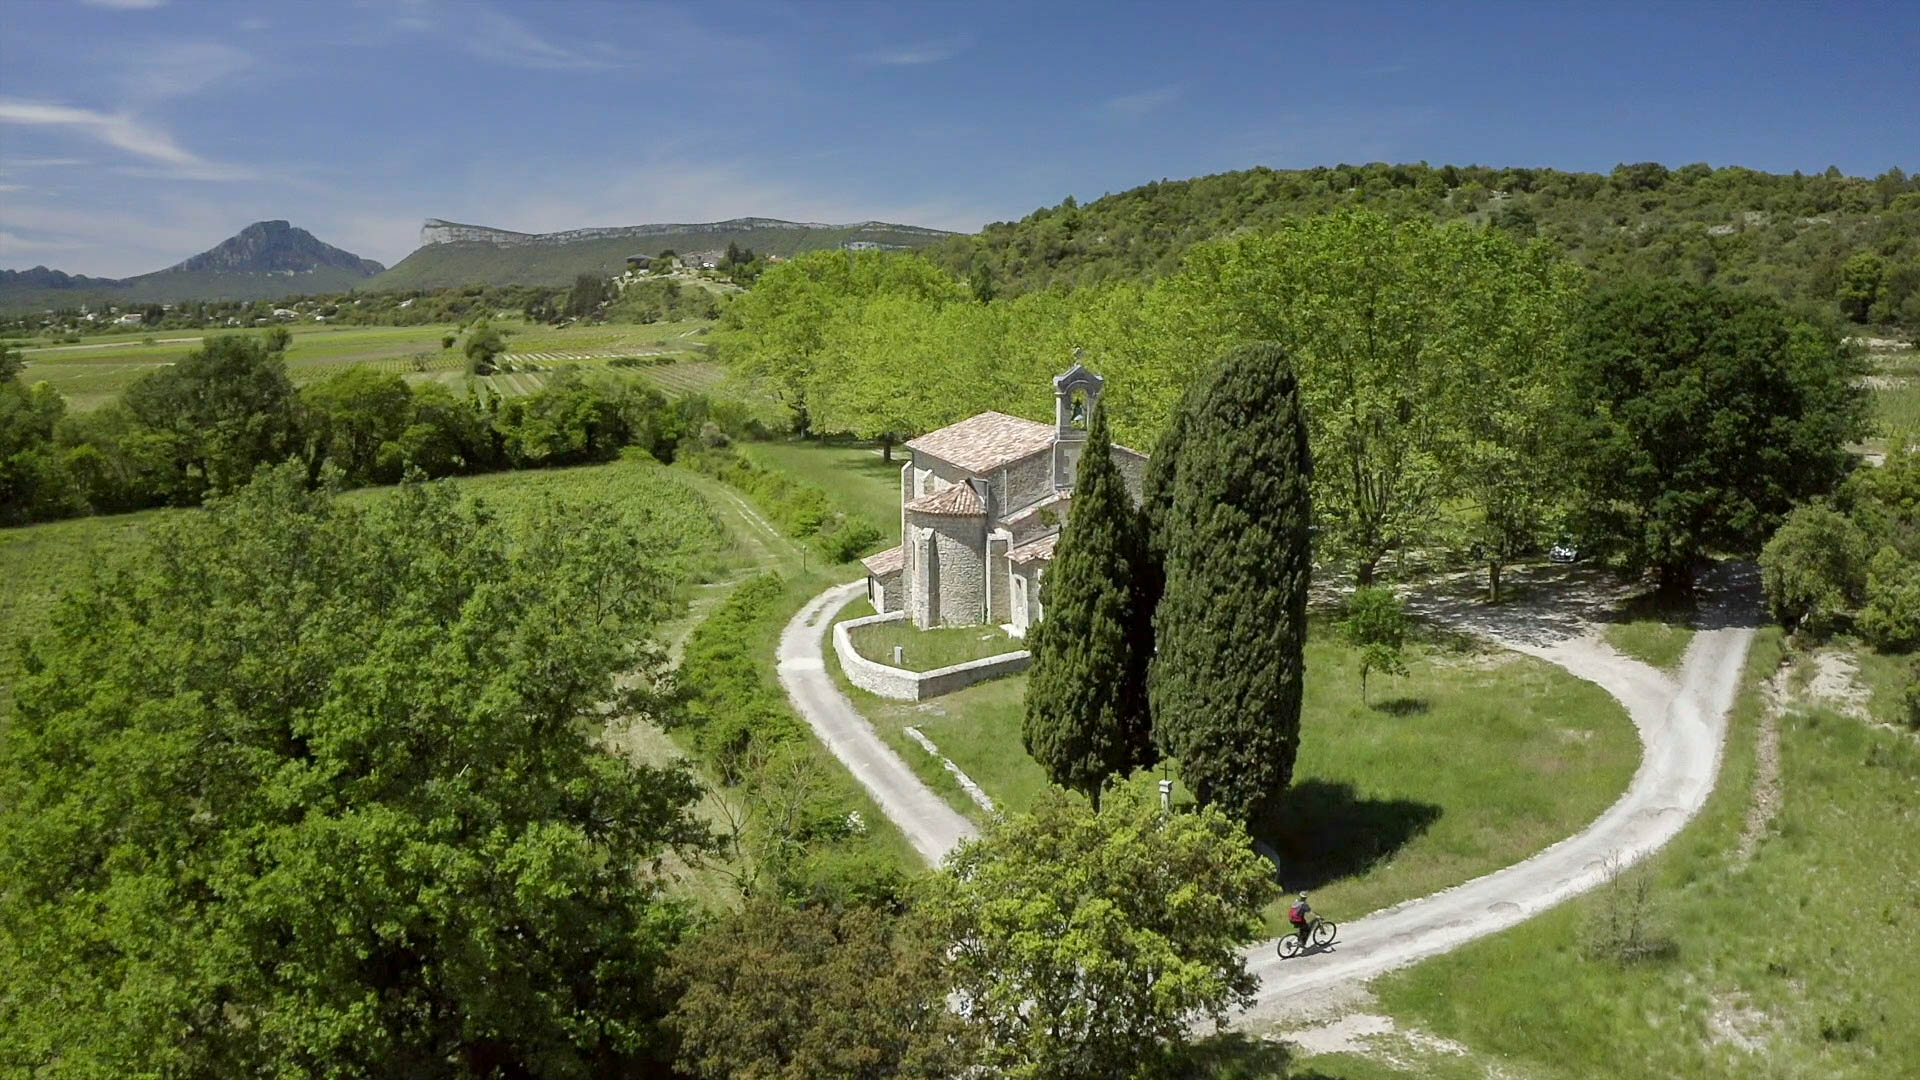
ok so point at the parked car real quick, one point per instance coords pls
(1564, 553)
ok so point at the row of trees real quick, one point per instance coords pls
(206, 423)
(1177, 626)
(1464, 392)
(318, 787)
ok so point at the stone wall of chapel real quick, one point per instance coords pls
(930, 474)
(1023, 483)
(920, 578)
(959, 546)
(1133, 469)
(998, 582)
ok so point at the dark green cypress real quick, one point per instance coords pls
(1232, 618)
(1086, 715)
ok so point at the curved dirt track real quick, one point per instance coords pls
(1681, 722)
(1681, 727)
(933, 827)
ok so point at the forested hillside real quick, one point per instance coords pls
(452, 255)
(1841, 242)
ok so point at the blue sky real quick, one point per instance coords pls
(134, 133)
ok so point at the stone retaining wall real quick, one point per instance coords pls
(900, 684)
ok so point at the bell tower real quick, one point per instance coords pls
(1075, 393)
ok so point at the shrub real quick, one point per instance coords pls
(798, 508)
(1814, 569)
(843, 539)
(1377, 626)
(1891, 618)
(1629, 927)
(730, 706)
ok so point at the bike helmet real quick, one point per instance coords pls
(1303, 894)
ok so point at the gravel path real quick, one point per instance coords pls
(1681, 727)
(1682, 724)
(933, 827)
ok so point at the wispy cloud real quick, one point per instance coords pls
(10, 164)
(1142, 103)
(125, 5)
(503, 39)
(123, 132)
(922, 52)
(158, 71)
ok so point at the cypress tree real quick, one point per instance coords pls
(1086, 707)
(1225, 682)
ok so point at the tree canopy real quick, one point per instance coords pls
(1705, 416)
(781, 993)
(1792, 236)
(314, 788)
(1423, 354)
(1090, 945)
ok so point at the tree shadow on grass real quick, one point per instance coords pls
(1323, 831)
(1235, 1055)
(1403, 706)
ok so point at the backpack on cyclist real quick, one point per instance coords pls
(1295, 915)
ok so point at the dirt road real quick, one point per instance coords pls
(1681, 721)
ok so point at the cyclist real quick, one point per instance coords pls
(1301, 916)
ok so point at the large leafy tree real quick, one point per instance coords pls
(34, 479)
(311, 788)
(1091, 944)
(1701, 417)
(1383, 319)
(1505, 395)
(356, 420)
(1086, 708)
(220, 411)
(792, 994)
(771, 337)
(1231, 624)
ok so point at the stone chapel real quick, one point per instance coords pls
(981, 507)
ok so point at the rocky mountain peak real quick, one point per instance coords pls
(275, 247)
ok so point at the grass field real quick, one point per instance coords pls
(1474, 761)
(852, 474)
(1796, 962)
(1661, 644)
(927, 650)
(1531, 754)
(97, 370)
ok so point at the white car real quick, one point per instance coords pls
(1563, 553)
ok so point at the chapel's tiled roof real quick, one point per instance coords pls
(1035, 551)
(954, 500)
(886, 562)
(983, 443)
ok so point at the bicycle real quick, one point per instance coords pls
(1321, 936)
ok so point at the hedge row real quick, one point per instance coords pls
(801, 510)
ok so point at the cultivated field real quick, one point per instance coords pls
(1895, 383)
(95, 371)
